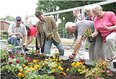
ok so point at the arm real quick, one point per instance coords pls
(95, 33)
(23, 36)
(30, 39)
(23, 40)
(20, 35)
(76, 47)
(111, 28)
(11, 34)
(17, 34)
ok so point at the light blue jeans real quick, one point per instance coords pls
(48, 44)
(14, 41)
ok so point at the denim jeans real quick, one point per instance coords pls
(14, 41)
(48, 44)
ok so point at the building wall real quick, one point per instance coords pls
(4, 26)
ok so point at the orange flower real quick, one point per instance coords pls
(20, 75)
(24, 65)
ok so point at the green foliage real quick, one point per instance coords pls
(9, 18)
(99, 70)
(3, 54)
(110, 7)
(45, 76)
(4, 35)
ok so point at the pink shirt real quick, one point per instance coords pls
(109, 19)
(32, 31)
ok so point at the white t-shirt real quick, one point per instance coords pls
(14, 29)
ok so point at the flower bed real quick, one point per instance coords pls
(21, 66)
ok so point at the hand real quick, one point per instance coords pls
(93, 35)
(72, 56)
(20, 35)
(21, 46)
(108, 28)
(16, 33)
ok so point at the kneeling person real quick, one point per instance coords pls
(17, 31)
(81, 28)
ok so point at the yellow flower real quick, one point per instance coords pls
(78, 64)
(26, 67)
(21, 70)
(60, 68)
(26, 71)
(67, 69)
(36, 66)
(64, 73)
(53, 70)
(52, 67)
(73, 64)
(31, 68)
(79, 70)
(35, 61)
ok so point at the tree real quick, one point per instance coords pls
(110, 7)
(9, 18)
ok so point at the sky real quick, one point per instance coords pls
(17, 7)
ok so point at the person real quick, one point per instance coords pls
(77, 15)
(105, 23)
(79, 27)
(48, 33)
(17, 33)
(95, 47)
(31, 33)
(89, 12)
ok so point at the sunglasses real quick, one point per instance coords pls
(18, 20)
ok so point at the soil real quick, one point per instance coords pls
(8, 75)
